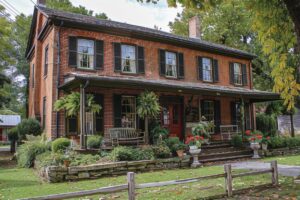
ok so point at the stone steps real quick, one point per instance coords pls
(216, 146)
(227, 158)
(225, 154)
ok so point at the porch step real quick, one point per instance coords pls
(220, 150)
(215, 146)
(235, 152)
(227, 158)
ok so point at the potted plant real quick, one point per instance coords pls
(203, 129)
(180, 148)
(195, 143)
(67, 161)
(264, 143)
(255, 140)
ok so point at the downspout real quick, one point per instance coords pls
(58, 77)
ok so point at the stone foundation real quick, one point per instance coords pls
(55, 174)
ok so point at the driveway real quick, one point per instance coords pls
(285, 170)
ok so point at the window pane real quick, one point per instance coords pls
(85, 53)
(237, 73)
(171, 64)
(208, 110)
(128, 58)
(207, 69)
(128, 111)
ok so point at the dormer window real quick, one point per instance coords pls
(85, 54)
(171, 65)
(128, 58)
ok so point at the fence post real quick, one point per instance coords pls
(274, 172)
(228, 180)
(131, 185)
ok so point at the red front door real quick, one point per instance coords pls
(171, 118)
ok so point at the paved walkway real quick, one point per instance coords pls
(285, 170)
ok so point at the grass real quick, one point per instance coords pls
(286, 160)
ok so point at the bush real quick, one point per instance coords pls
(237, 141)
(84, 159)
(156, 131)
(27, 152)
(122, 153)
(94, 142)
(171, 143)
(60, 144)
(13, 134)
(146, 154)
(276, 142)
(292, 142)
(49, 159)
(29, 127)
(161, 151)
(266, 124)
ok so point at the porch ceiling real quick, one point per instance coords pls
(75, 79)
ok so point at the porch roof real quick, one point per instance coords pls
(73, 80)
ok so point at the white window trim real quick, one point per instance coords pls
(78, 53)
(135, 60)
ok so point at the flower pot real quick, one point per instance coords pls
(264, 146)
(255, 146)
(180, 153)
(67, 163)
(195, 151)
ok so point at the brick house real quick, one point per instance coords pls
(117, 61)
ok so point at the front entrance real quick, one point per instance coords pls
(171, 115)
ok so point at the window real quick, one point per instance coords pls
(85, 53)
(32, 76)
(237, 113)
(46, 61)
(128, 104)
(171, 65)
(44, 112)
(128, 59)
(208, 110)
(207, 70)
(237, 73)
(166, 115)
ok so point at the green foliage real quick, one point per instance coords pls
(237, 141)
(148, 105)
(203, 129)
(7, 112)
(171, 142)
(266, 124)
(84, 159)
(13, 134)
(158, 133)
(276, 142)
(161, 151)
(49, 158)
(71, 104)
(94, 141)
(29, 127)
(180, 146)
(122, 153)
(60, 144)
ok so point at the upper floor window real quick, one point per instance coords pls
(85, 53)
(46, 61)
(171, 64)
(238, 74)
(237, 71)
(128, 58)
(207, 70)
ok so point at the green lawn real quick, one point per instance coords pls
(20, 183)
(286, 160)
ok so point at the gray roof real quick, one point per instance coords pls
(9, 120)
(77, 20)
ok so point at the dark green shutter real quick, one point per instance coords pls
(162, 62)
(216, 70)
(180, 71)
(231, 72)
(99, 54)
(117, 56)
(117, 110)
(72, 51)
(233, 113)
(200, 68)
(217, 115)
(201, 109)
(141, 60)
(244, 74)
(99, 99)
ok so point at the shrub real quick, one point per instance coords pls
(122, 153)
(291, 142)
(180, 146)
(171, 142)
(146, 154)
(60, 144)
(27, 152)
(266, 124)
(276, 142)
(13, 134)
(94, 142)
(29, 127)
(161, 151)
(84, 159)
(49, 159)
(157, 131)
(237, 141)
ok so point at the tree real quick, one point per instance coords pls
(148, 107)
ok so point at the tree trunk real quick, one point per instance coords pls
(12, 146)
(146, 131)
(292, 125)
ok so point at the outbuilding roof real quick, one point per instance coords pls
(9, 120)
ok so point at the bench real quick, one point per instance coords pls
(227, 131)
(126, 136)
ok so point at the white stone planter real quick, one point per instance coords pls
(255, 146)
(264, 146)
(195, 151)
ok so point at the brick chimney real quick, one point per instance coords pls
(194, 27)
(41, 3)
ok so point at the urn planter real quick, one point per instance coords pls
(255, 146)
(195, 151)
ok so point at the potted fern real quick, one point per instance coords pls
(180, 149)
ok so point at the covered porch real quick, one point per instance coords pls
(183, 105)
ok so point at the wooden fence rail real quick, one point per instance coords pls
(131, 186)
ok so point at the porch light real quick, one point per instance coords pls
(179, 90)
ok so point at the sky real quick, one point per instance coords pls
(129, 11)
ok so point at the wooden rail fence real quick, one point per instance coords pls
(131, 186)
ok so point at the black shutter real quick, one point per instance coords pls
(244, 74)
(201, 109)
(98, 54)
(141, 60)
(216, 70)
(233, 113)
(217, 115)
(72, 51)
(180, 71)
(72, 125)
(200, 66)
(117, 110)
(99, 99)
(117, 55)
(162, 62)
(231, 73)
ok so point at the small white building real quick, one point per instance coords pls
(284, 123)
(7, 122)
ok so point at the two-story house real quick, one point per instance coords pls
(117, 61)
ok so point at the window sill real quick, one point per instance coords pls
(171, 77)
(85, 69)
(208, 82)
